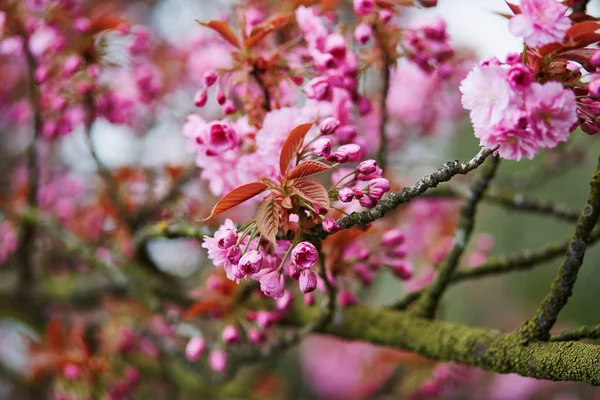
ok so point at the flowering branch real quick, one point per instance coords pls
(539, 326)
(443, 174)
(428, 302)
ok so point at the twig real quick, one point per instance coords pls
(265, 90)
(583, 332)
(521, 261)
(427, 304)
(538, 327)
(443, 174)
(387, 62)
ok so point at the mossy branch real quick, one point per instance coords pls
(583, 332)
(430, 299)
(538, 327)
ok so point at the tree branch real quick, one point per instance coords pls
(430, 299)
(539, 326)
(583, 332)
(489, 349)
(394, 199)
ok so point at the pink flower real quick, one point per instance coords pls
(487, 94)
(346, 195)
(272, 283)
(363, 33)
(227, 238)
(335, 44)
(367, 167)
(209, 78)
(255, 335)
(217, 359)
(250, 263)
(394, 237)
(194, 348)
(353, 151)
(329, 125)
(330, 225)
(346, 298)
(308, 281)
(540, 22)
(322, 147)
(71, 371)
(230, 334)
(519, 77)
(305, 255)
(552, 113)
(363, 7)
(318, 88)
(512, 143)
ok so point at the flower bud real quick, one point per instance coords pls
(402, 270)
(194, 348)
(519, 77)
(71, 65)
(385, 15)
(283, 303)
(293, 271)
(71, 371)
(309, 299)
(513, 58)
(322, 147)
(329, 125)
(217, 360)
(353, 151)
(363, 7)
(367, 202)
(305, 255)
(234, 254)
(358, 194)
(594, 88)
(272, 283)
(200, 98)
(320, 209)
(230, 334)
(221, 98)
(363, 33)
(330, 225)
(337, 157)
(307, 281)
(364, 106)
(256, 336)
(209, 78)
(227, 238)
(346, 195)
(251, 262)
(335, 44)
(228, 107)
(367, 167)
(393, 237)
(318, 89)
(346, 298)
(595, 59)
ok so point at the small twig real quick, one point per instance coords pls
(538, 327)
(428, 303)
(583, 332)
(265, 90)
(387, 62)
(521, 261)
(394, 199)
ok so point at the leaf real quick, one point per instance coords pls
(261, 31)
(311, 191)
(583, 34)
(514, 8)
(292, 145)
(222, 29)
(236, 196)
(308, 168)
(54, 335)
(267, 219)
(201, 307)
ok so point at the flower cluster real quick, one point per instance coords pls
(426, 44)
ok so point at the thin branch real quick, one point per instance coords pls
(266, 95)
(521, 261)
(430, 299)
(394, 199)
(387, 62)
(538, 327)
(513, 201)
(583, 332)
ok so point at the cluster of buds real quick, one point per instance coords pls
(588, 110)
(426, 43)
(211, 78)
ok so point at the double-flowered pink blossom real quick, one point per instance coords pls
(516, 116)
(540, 22)
(305, 255)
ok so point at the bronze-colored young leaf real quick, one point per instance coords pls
(308, 168)
(292, 145)
(223, 29)
(236, 196)
(261, 31)
(267, 219)
(311, 191)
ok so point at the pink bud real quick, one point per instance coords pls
(381, 184)
(227, 238)
(394, 237)
(81, 24)
(210, 78)
(346, 298)
(335, 44)
(309, 299)
(200, 98)
(367, 167)
(353, 151)
(402, 270)
(329, 125)
(71, 371)
(293, 271)
(346, 195)
(272, 283)
(71, 65)
(385, 15)
(194, 348)
(519, 77)
(595, 59)
(363, 33)
(230, 334)
(513, 58)
(364, 106)
(322, 147)
(318, 89)
(594, 88)
(132, 375)
(346, 133)
(308, 281)
(41, 74)
(234, 254)
(367, 202)
(320, 209)
(305, 255)
(364, 273)
(228, 107)
(363, 7)
(397, 252)
(256, 336)
(367, 177)
(283, 303)
(217, 359)
(251, 262)
(266, 319)
(358, 194)
(330, 225)
(221, 98)
(337, 157)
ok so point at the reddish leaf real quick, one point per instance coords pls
(307, 168)
(262, 30)
(267, 219)
(54, 335)
(292, 145)
(236, 196)
(222, 29)
(311, 191)
(201, 307)
(583, 34)
(514, 8)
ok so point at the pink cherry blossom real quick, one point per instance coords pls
(541, 22)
